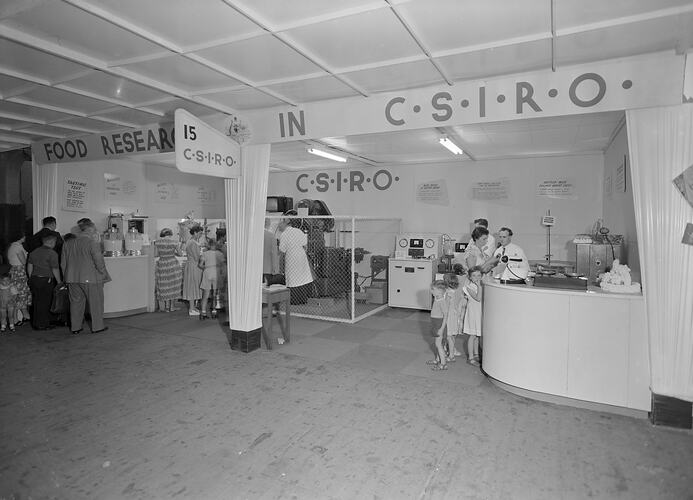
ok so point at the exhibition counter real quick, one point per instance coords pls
(131, 290)
(583, 348)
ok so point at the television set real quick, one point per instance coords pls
(279, 204)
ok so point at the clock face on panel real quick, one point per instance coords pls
(430, 243)
(403, 242)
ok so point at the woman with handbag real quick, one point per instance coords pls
(44, 274)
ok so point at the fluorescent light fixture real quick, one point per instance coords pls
(327, 155)
(454, 148)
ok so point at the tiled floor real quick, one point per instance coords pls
(159, 407)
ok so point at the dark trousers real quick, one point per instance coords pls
(300, 294)
(82, 294)
(41, 297)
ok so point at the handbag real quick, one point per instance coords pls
(61, 299)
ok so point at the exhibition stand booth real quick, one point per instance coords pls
(590, 346)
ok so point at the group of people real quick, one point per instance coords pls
(203, 277)
(35, 266)
(456, 308)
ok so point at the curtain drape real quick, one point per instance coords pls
(44, 181)
(661, 147)
(246, 199)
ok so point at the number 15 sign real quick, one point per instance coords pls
(202, 149)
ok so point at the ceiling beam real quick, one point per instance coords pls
(165, 43)
(418, 42)
(294, 46)
(620, 21)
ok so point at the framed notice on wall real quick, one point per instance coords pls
(75, 194)
(620, 176)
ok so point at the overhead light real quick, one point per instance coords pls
(454, 148)
(325, 154)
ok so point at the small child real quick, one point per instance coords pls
(472, 318)
(8, 292)
(457, 304)
(439, 316)
(213, 264)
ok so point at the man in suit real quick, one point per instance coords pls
(36, 241)
(84, 271)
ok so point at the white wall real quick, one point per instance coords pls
(521, 210)
(153, 190)
(619, 211)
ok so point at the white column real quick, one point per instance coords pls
(245, 215)
(44, 181)
(661, 147)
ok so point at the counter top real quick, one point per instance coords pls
(121, 257)
(592, 291)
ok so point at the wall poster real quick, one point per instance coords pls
(433, 193)
(491, 190)
(119, 188)
(206, 195)
(557, 188)
(620, 176)
(75, 194)
(166, 192)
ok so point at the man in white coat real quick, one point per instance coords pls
(512, 261)
(299, 278)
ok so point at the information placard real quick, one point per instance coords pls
(202, 149)
(75, 194)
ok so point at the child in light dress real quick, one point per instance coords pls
(213, 265)
(439, 316)
(8, 292)
(457, 304)
(472, 319)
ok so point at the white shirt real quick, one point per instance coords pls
(296, 267)
(517, 266)
(16, 255)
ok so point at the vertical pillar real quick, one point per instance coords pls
(245, 214)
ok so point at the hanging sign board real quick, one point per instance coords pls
(201, 149)
(156, 138)
(613, 85)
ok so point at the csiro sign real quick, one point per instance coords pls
(352, 180)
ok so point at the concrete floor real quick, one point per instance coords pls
(159, 407)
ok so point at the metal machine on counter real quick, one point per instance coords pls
(596, 253)
(125, 235)
(412, 270)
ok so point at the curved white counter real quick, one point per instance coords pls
(549, 344)
(131, 289)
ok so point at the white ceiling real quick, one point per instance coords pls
(70, 67)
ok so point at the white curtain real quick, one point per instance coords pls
(661, 147)
(246, 200)
(44, 183)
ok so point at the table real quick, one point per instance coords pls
(270, 297)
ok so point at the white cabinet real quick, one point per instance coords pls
(410, 283)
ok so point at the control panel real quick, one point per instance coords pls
(417, 246)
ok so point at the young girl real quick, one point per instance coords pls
(472, 318)
(439, 316)
(8, 295)
(457, 304)
(213, 265)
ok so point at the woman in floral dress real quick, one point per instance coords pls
(16, 257)
(192, 276)
(169, 275)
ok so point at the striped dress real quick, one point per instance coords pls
(169, 275)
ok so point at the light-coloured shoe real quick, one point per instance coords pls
(457, 353)
(193, 312)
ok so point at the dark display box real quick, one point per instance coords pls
(561, 283)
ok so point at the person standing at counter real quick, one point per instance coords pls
(490, 246)
(270, 255)
(512, 259)
(299, 277)
(475, 254)
(192, 276)
(169, 274)
(44, 274)
(16, 257)
(49, 227)
(85, 273)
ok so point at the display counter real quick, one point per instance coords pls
(570, 347)
(131, 289)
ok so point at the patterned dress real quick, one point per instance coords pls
(16, 257)
(192, 276)
(169, 275)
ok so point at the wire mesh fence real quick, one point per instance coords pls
(336, 267)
